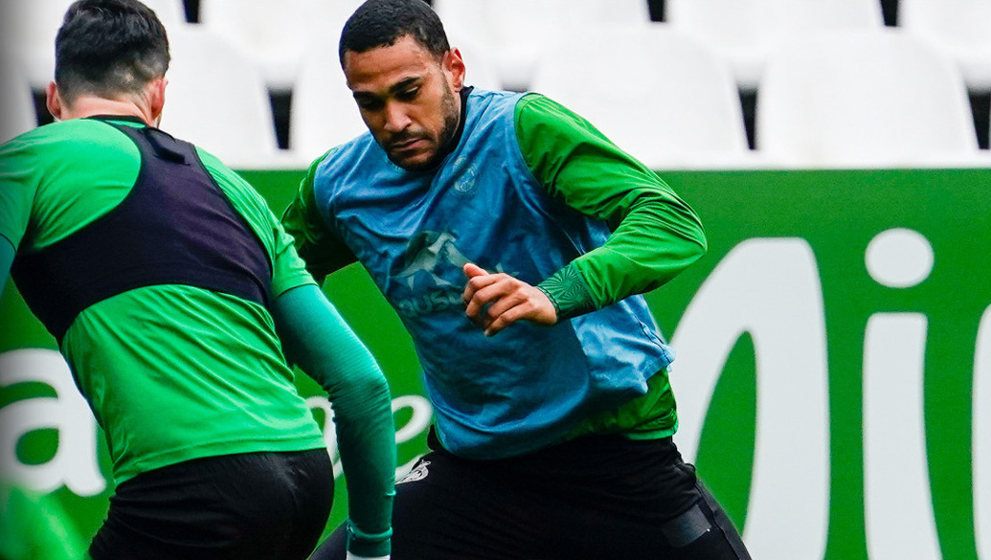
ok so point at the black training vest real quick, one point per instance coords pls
(176, 226)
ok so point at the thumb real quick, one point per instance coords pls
(472, 270)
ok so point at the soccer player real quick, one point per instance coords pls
(513, 240)
(165, 278)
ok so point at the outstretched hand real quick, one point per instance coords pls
(496, 300)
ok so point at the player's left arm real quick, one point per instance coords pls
(316, 337)
(655, 234)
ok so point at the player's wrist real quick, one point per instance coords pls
(568, 293)
(367, 545)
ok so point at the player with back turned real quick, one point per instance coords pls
(165, 279)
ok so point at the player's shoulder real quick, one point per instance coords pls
(69, 133)
(71, 144)
(494, 94)
(537, 116)
(230, 181)
(484, 104)
(214, 165)
(535, 104)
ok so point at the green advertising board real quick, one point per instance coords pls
(833, 369)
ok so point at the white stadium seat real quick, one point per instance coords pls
(276, 35)
(28, 31)
(480, 65)
(517, 31)
(876, 98)
(745, 31)
(667, 100)
(216, 99)
(960, 28)
(323, 114)
(17, 112)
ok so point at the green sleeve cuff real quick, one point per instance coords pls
(368, 545)
(569, 293)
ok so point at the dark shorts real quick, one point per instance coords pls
(594, 497)
(245, 506)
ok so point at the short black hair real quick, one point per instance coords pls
(380, 23)
(109, 47)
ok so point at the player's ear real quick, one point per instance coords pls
(53, 101)
(157, 98)
(454, 67)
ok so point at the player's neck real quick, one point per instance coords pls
(91, 106)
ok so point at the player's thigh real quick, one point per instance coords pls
(640, 501)
(452, 508)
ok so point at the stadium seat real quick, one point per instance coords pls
(877, 98)
(519, 30)
(323, 113)
(960, 28)
(667, 100)
(17, 112)
(28, 31)
(275, 36)
(216, 99)
(745, 31)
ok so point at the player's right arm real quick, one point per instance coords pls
(323, 251)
